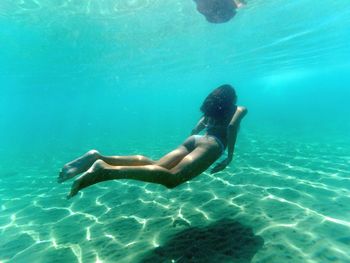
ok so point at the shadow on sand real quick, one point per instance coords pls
(222, 241)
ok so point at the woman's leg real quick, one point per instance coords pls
(171, 159)
(190, 166)
(84, 162)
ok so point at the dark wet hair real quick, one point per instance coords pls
(220, 103)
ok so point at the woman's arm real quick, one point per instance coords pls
(200, 126)
(232, 132)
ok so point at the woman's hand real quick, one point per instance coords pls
(221, 166)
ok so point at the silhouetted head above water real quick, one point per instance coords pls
(217, 11)
(220, 103)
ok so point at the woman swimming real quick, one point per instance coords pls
(221, 119)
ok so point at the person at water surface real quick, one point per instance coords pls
(218, 11)
(220, 121)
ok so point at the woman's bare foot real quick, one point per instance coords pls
(78, 166)
(94, 175)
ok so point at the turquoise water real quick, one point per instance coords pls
(128, 77)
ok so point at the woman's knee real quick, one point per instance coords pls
(175, 179)
(95, 154)
(144, 159)
(171, 183)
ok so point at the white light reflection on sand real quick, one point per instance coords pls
(139, 220)
(154, 242)
(308, 211)
(88, 234)
(180, 219)
(98, 260)
(292, 205)
(203, 213)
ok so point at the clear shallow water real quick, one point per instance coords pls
(77, 75)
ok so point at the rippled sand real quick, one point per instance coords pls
(280, 201)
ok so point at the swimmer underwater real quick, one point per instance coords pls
(220, 121)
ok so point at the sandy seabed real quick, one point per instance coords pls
(277, 202)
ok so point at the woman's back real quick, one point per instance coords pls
(218, 127)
